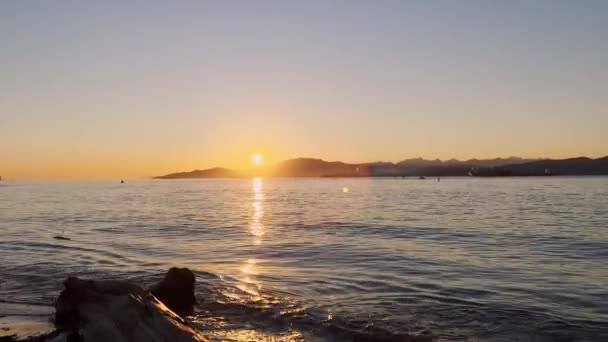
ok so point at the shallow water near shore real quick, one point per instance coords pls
(327, 259)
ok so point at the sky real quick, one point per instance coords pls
(130, 89)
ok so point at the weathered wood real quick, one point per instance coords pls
(116, 311)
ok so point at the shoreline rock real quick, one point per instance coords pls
(176, 291)
(118, 311)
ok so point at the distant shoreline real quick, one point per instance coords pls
(409, 178)
(317, 168)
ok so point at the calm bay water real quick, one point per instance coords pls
(328, 259)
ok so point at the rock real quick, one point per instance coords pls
(116, 311)
(176, 291)
(59, 237)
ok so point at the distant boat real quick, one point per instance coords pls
(421, 177)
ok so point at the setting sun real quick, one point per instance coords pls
(257, 159)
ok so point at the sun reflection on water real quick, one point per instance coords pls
(249, 268)
(256, 228)
(249, 281)
(257, 185)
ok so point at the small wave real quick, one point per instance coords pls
(227, 311)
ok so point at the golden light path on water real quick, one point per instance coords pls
(256, 227)
(250, 286)
(249, 271)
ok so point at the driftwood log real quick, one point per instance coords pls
(117, 311)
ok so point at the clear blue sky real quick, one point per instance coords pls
(140, 88)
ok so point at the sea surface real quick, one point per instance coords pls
(463, 259)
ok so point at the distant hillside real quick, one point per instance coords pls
(311, 167)
(452, 167)
(566, 167)
(217, 172)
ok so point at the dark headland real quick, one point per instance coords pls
(311, 167)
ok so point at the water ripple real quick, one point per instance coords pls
(299, 259)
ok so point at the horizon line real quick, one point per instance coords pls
(78, 178)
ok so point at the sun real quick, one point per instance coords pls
(257, 159)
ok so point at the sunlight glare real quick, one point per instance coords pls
(257, 159)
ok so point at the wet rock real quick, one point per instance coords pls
(59, 237)
(116, 311)
(176, 291)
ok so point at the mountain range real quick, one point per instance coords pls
(312, 167)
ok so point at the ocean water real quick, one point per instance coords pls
(464, 259)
